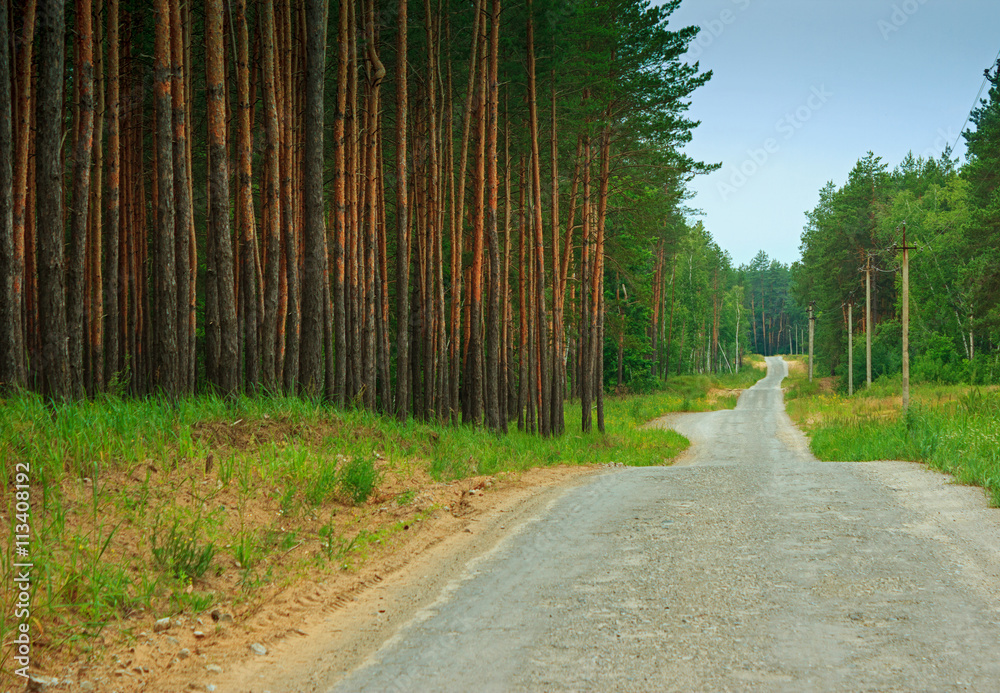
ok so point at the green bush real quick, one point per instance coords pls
(938, 361)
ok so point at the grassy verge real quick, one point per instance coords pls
(954, 428)
(143, 509)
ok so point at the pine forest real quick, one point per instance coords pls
(466, 212)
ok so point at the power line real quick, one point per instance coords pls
(975, 103)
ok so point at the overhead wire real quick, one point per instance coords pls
(976, 102)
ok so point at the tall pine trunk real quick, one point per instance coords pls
(245, 215)
(542, 384)
(376, 73)
(558, 371)
(598, 275)
(340, 211)
(583, 360)
(83, 148)
(493, 418)
(165, 371)
(432, 229)
(8, 311)
(23, 115)
(48, 184)
(474, 409)
(227, 368)
(272, 254)
(94, 322)
(402, 223)
(354, 170)
(314, 232)
(459, 217)
(183, 220)
(522, 353)
(289, 229)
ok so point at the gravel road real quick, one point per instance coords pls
(747, 566)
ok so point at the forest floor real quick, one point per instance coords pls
(171, 541)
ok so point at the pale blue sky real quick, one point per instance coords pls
(804, 88)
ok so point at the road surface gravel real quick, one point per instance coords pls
(747, 566)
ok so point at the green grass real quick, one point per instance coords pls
(953, 428)
(161, 507)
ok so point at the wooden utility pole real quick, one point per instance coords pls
(850, 347)
(812, 329)
(868, 322)
(906, 320)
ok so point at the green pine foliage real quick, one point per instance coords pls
(951, 215)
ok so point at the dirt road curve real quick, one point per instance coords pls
(749, 566)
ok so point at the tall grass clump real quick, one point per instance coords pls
(359, 479)
(953, 428)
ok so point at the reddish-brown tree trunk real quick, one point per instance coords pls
(226, 369)
(455, 237)
(354, 172)
(583, 359)
(558, 371)
(493, 418)
(314, 231)
(94, 322)
(54, 367)
(402, 222)
(475, 401)
(246, 229)
(459, 214)
(8, 311)
(165, 373)
(23, 127)
(506, 346)
(289, 229)
(597, 325)
(522, 388)
(183, 220)
(376, 73)
(339, 210)
(382, 280)
(542, 384)
(272, 255)
(83, 149)
(432, 230)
